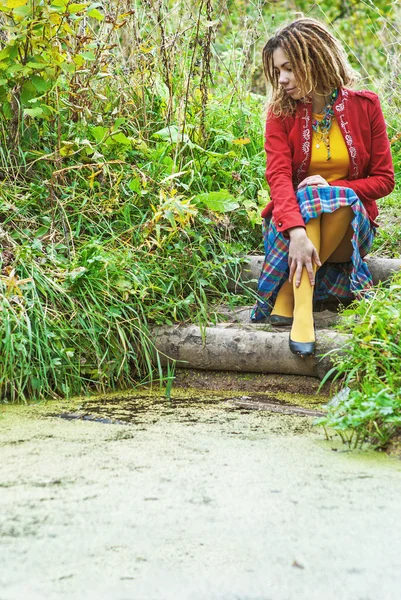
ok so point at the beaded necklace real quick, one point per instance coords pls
(322, 128)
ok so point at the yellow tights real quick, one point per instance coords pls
(331, 235)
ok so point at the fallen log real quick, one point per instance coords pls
(229, 347)
(381, 268)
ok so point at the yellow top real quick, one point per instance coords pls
(338, 165)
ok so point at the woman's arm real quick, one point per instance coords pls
(380, 176)
(286, 211)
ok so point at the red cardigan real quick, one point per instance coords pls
(288, 152)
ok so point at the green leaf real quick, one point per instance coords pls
(5, 53)
(47, 110)
(68, 67)
(37, 245)
(221, 201)
(34, 112)
(123, 284)
(6, 108)
(22, 11)
(88, 55)
(33, 64)
(42, 231)
(171, 134)
(99, 132)
(96, 14)
(135, 185)
(40, 84)
(118, 122)
(76, 273)
(120, 138)
(28, 93)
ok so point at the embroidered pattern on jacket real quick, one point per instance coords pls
(305, 143)
(347, 134)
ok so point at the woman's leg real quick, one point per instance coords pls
(336, 235)
(343, 252)
(302, 328)
(284, 304)
(329, 235)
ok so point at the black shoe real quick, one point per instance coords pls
(280, 321)
(302, 349)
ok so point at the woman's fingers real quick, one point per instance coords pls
(311, 274)
(293, 265)
(298, 274)
(296, 269)
(317, 183)
(302, 254)
(297, 266)
(317, 180)
(316, 258)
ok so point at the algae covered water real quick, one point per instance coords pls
(198, 498)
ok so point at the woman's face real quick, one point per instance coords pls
(286, 77)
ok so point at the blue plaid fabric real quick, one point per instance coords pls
(341, 280)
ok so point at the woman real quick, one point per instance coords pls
(328, 161)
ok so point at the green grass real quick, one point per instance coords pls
(370, 367)
(139, 181)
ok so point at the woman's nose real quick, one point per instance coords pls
(283, 78)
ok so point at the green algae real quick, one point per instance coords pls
(141, 406)
(147, 398)
(303, 400)
(196, 487)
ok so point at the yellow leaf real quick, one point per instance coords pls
(241, 141)
(78, 60)
(91, 178)
(67, 28)
(67, 148)
(54, 19)
(16, 3)
(76, 7)
(146, 49)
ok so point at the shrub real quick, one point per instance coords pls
(370, 369)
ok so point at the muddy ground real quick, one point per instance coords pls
(138, 497)
(292, 386)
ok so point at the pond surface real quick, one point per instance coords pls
(198, 498)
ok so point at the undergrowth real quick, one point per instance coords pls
(132, 173)
(369, 365)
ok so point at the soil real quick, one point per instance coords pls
(251, 382)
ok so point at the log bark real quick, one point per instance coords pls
(381, 268)
(231, 348)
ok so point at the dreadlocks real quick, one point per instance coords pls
(316, 57)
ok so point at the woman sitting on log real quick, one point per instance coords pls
(328, 161)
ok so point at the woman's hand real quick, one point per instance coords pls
(312, 180)
(302, 253)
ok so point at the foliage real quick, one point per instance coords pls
(132, 174)
(370, 366)
(364, 27)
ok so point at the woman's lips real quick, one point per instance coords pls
(290, 90)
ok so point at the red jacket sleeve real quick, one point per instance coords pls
(380, 176)
(286, 211)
